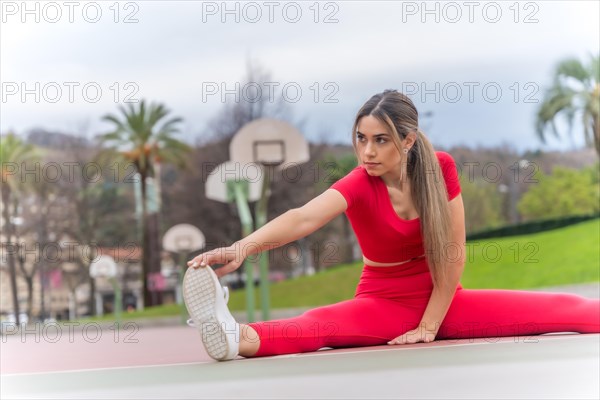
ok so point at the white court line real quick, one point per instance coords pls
(437, 345)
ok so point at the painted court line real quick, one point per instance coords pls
(436, 345)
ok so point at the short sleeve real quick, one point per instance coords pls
(450, 173)
(352, 185)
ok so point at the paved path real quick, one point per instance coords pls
(591, 290)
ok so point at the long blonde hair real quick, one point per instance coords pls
(421, 166)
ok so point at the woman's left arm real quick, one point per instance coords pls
(441, 296)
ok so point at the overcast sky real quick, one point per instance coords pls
(479, 67)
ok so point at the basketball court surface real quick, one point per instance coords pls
(170, 363)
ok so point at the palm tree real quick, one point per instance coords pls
(143, 139)
(13, 153)
(575, 91)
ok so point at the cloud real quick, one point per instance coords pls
(175, 48)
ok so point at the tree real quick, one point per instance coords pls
(143, 139)
(563, 193)
(13, 154)
(98, 211)
(482, 204)
(38, 214)
(575, 91)
(254, 103)
(335, 168)
(86, 205)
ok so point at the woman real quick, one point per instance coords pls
(404, 203)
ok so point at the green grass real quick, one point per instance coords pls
(330, 286)
(167, 310)
(558, 257)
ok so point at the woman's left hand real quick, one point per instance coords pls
(420, 334)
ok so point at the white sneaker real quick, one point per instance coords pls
(206, 302)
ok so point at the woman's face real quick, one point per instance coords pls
(376, 149)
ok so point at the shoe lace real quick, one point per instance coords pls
(191, 322)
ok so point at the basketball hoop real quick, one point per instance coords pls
(218, 184)
(183, 237)
(269, 142)
(103, 266)
(269, 152)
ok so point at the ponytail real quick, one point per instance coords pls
(431, 201)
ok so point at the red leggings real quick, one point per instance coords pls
(390, 301)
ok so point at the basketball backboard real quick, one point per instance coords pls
(183, 237)
(216, 183)
(269, 142)
(103, 266)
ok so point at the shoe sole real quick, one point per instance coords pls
(201, 289)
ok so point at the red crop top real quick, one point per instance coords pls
(383, 236)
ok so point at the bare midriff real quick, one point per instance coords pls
(378, 264)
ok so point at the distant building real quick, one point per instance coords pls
(62, 302)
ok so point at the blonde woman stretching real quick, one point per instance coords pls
(404, 204)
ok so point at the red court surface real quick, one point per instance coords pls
(98, 347)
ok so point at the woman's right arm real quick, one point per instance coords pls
(291, 225)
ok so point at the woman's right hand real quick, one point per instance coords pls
(223, 255)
